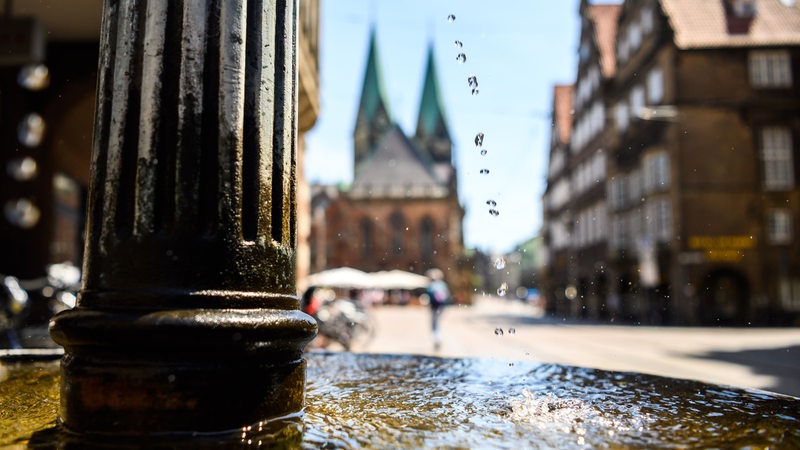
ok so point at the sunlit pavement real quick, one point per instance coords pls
(761, 358)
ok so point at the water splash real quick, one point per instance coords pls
(498, 331)
(494, 212)
(462, 58)
(484, 171)
(512, 331)
(484, 152)
(502, 290)
(458, 44)
(479, 140)
(491, 203)
(451, 18)
(472, 81)
(500, 263)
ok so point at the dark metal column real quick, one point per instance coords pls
(188, 319)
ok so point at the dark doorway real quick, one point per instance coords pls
(724, 298)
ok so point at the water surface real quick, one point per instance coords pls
(389, 401)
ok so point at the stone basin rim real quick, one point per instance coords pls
(32, 355)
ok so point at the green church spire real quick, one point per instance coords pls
(373, 113)
(432, 133)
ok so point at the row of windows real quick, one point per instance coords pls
(394, 235)
(586, 86)
(559, 234)
(630, 38)
(559, 195)
(591, 225)
(557, 161)
(588, 126)
(653, 176)
(653, 220)
(652, 93)
(590, 173)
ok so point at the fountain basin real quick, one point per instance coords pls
(382, 401)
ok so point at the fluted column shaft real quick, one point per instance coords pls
(189, 262)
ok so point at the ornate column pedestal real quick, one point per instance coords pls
(187, 320)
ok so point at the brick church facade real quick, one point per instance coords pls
(402, 209)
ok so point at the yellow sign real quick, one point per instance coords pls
(723, 255)
(721, 242)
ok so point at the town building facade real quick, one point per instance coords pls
(697, 202)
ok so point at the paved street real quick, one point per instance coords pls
(762, 358)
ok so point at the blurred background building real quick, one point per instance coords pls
(672, 190)
(48, 77)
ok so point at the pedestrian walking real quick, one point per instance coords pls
(438, 296)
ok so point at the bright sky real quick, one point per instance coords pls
(517, 50)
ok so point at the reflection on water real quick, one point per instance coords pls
(385, 401)
(356, 401)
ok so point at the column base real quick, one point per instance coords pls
(180, 372)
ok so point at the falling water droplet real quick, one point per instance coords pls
(451, 18)
(502, 290)
(494, 212)
(498, 331)
(500, 263)
(491, 203)
(512, 331)
(462, 58)
(478, 139)
(484, 152)
(459, 44)
(472, 81)
(484, 171)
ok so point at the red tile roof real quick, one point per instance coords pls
(562, 110)
(703, 24)
(605, 18)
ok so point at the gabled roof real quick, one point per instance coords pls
(431, 113)
(372, 90)
(395, 164)
(562, 111)
(703, 24)
(605, 18)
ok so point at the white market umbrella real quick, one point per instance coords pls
(341, 277)
(398, 279)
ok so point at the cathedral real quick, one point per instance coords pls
(402, 209)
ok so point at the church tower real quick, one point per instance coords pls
(373, 118)
(402, 209)
(432, 135)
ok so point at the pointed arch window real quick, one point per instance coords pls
(397, 225)
(367, 237)
(426, 237)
